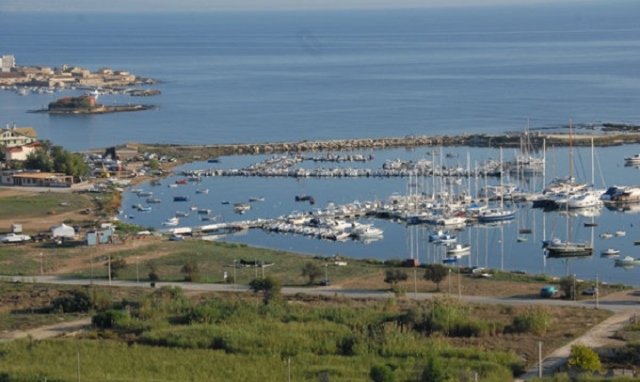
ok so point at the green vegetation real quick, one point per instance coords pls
(57, 159)
(191, 271)
(41, 204)
(436, 273)
(583, 358)
(268, 286)
(536, 320)
(312, 271)
(72, 103)
(164, 335)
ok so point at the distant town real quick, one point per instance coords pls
(21, 78)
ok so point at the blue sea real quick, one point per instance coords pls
(251, 77)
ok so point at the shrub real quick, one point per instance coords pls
(535, 320)
(269, 286)
(583, 358)
(111, 319)
(311, 271)
(394, 276)
(433, 371)
(381, 373)
(191, 271)
(77, 302)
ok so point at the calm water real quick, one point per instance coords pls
(494, 247)
(239, 77)
(257, 77)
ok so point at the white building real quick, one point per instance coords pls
(7, 63)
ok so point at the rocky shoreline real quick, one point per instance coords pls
(100, 110)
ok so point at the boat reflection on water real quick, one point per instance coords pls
(629, 208)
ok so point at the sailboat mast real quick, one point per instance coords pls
(570, 152)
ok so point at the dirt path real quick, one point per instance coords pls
(601, 335)
(51, 331)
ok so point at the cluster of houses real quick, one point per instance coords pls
(17, 143)
(63, 77)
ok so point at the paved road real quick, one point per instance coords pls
(625, 305)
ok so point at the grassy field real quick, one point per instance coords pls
(41, 204)
(166, 335)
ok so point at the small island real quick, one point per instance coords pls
(86, 104)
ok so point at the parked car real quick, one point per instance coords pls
(590, 291)
(14, 238)
(548, 291)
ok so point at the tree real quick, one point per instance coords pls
(153, 271)
(269, 286)
(394, 276)
(38, 160)
(57, 159)
(154, 164)
(311, 271)
(117, 264)
(191, 271)
(435, 273)
(68, 163)
(583, 358)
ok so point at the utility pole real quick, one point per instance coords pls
(234, 271)
(137, 273)
(41, 265)
(459, 286)
(415, 283)
(109, 270)
(539, 359)
(596, 292)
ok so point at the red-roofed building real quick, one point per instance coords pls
(21, 152)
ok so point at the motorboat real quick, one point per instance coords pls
(633, 159)
(606, 235)
(609, 252)
(241, 207)
(176, 237)
(628, 260)
(182, 181)
(171, 221)
(442, 237)
(182, 214)
(256, 199)
(202, 191)
(204, 211)
(458, 250)
(364, 231)
(450, 260)
(180, 198)
(153, 200)
(620, 233)
(144, 209)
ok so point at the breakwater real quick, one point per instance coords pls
(535, 140)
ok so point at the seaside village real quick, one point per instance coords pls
(43, 79)
(17, 143)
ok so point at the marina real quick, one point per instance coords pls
(399, 216)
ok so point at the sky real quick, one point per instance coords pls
(242, 5)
